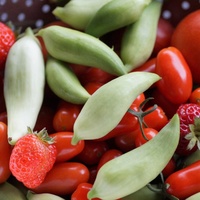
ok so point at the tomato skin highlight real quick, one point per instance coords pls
(65, 150)
(5, 151)
(184, 182)
(63, 178)
(176, 79)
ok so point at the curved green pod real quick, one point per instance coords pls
(194, 197)
(133, 170)
(64, 83)
(78, 13)
(11, 192)
(139, 38)
(77, 47)
(144, 194)
(106, 107)
(114, 15)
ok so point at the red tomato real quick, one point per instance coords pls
(79, 70)
(156, 119)
(45, 119)
(148, 66)
(163, 36)
(93, 173)
(91, 87)
(108, 155)
(63, 178)
(81, 192)
(3, 117)
(125, 142)
(168, 107)
(5, 151)
(128, 123)
(195, 96)
(65, 117)
(169, 168)
(149, 134)
(92, 152)
(93, 74)
(184, 182)
(176, 79)
(65, 150)
(140, 98)
(186, 38)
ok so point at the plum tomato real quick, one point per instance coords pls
(81, 192)
(63, 178)
(5, 151)
(176, 79)
(65, 150)
(169, 168)
(163, 35)
(65, 116)
(91, 87)
(186, 38)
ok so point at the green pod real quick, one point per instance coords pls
(10, 192)
(133, 170)
(80, 48)
(194, 197)
(114, 15)
(144, 194)
(106, 107)
(42, 196)
(78, 13)
(64, 83)
(139, 38)
(195, 156)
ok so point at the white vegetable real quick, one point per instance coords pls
(24, 81)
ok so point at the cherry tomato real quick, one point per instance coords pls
(163, 36)
(140, 98)
(91, 87)
(79, 70)
(93, 74)
(63, 178)
(186, 38)
(128, 123)
(176, 78)
(125, 142)
(195, 96)
(93, 173)
(184, 182)
(108, 155)
(168, 107)
(157, 119)
(149, 134)
(5, 151)
(81, 192)
(65, 117)
(65, 150)
(92, 152)
(169, 168)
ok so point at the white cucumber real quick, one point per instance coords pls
(24, 82)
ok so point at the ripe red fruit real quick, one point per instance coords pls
(189, 115)
(7, 39)
(32, 157)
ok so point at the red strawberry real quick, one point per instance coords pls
(189, 115)
(32, 157)
(7, 38)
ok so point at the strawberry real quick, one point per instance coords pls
(32, 157)
(7, 39)
(189, 114)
